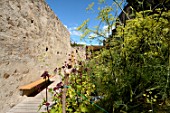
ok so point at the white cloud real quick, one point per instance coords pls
(92, 35)
(74, 32)
(66, 26)
(84, 43)
(90, 43)
(105, 29)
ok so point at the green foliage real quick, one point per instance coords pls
(78, 94)
(83, 25)
(141, 5)
(90, 6)
(136, 64)
(130, 75)
(102, 1)
(105, 18)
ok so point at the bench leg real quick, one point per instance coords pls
(21, 93)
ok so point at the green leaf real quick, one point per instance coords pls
(83, 109)
(101, 1)
(83, 25)
(90, 6)
(50, 90)
(52, 111)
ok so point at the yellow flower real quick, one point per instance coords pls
(144, 95)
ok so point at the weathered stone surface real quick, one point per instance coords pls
(6, 75)
(32, 40)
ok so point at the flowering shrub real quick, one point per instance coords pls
(79, 91)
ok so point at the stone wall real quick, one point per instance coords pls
(79, 52)
(32, 40)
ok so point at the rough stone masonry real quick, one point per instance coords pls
(32, 40)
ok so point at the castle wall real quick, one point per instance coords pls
(32, 40)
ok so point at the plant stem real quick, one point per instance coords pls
(46, 83)
(168, 67)
(64, 93)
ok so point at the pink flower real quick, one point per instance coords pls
(45, 74)
(47, 104)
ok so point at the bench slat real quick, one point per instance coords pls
(31, 85)
(29, 88)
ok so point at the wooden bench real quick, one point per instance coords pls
(32, 87)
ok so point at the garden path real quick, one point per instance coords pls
(31, 104)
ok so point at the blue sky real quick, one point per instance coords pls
(73, 12)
